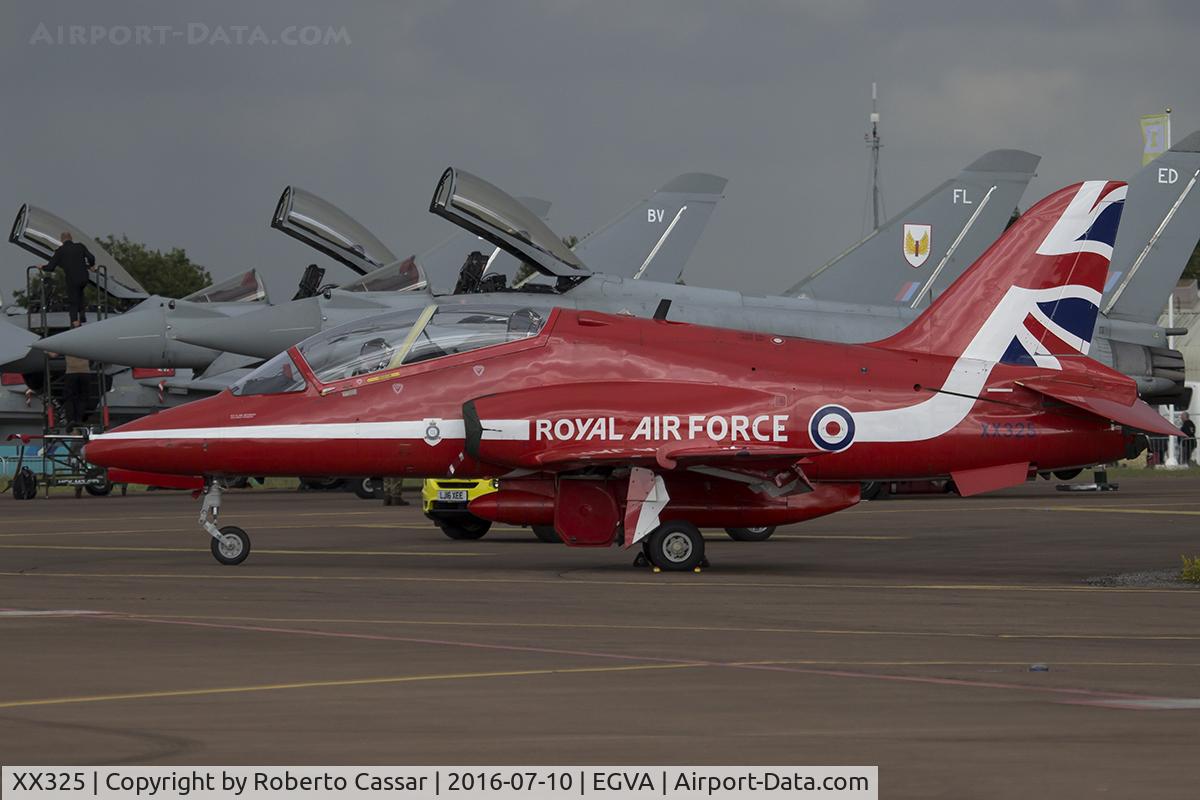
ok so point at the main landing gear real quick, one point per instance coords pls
(674, 546)
(231, 544)
(759, 534)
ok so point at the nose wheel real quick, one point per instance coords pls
(232, 547)
(230, 544)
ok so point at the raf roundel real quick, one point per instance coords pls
(831, 428)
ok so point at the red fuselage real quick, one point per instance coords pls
(683, 385)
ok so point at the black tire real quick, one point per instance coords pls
(546, 533)
(321, 484)
(464, 527)
(101, 490)
(759, 534)
(675, 547)
(24, 484)
(1067, 474)
(873, 490)
(233, 547)
(368, 488)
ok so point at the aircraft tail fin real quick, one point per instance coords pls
(1032, 298)
(921, 250)
(1159, 231)
(654, 238)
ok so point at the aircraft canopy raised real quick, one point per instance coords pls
(488, 211)
(244, 288)
(325, 227)
(399, 276)
(37, 231)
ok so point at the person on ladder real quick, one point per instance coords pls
(76, 262)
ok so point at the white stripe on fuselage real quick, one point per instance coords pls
(943, 411)
(495, 429)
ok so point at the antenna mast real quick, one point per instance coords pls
(874, 143)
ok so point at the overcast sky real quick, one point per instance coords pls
(188, 138)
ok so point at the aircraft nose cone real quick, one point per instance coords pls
(131, 339)
(136, 338)
(260, 333)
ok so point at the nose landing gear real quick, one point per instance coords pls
(230, 544)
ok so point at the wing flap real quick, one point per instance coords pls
(1103, 400)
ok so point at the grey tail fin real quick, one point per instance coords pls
(920, 251)
(654, 237)
(1159, 231)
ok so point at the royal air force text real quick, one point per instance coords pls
(718, 428)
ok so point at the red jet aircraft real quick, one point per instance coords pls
(636, 431)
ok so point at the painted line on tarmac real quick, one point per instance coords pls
(13, 520)
(188, 529)
(685, 582)
(836, 537)
(1061, 693)
(274, 687)
(287, 552)
(967, 508)
(1117, 510)
(677, 628)
(1056, 663)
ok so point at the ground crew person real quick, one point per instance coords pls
(75, 389)
(76, 261)
(392, 489)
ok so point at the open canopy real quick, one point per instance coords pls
(244, 288)
(399, 276)
(37, 231)
(488, 211)
(322, 225)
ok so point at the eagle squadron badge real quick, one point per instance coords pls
(917, 239)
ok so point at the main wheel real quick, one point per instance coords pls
(1067, 474)
(464, 527)
(546, 533)
(233, 546)
(103, 490)
(321, 484)
(759, 534)
(873, 490)
(368, 488)
(675, 546)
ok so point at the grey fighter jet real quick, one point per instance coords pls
(476, 206)
(656, 234)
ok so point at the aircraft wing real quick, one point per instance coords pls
(1115, 400)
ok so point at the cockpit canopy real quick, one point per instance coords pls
(400, 276)
(37, 231)
(488, 211)
(244, 288)
(325, 227)
(393, 340)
